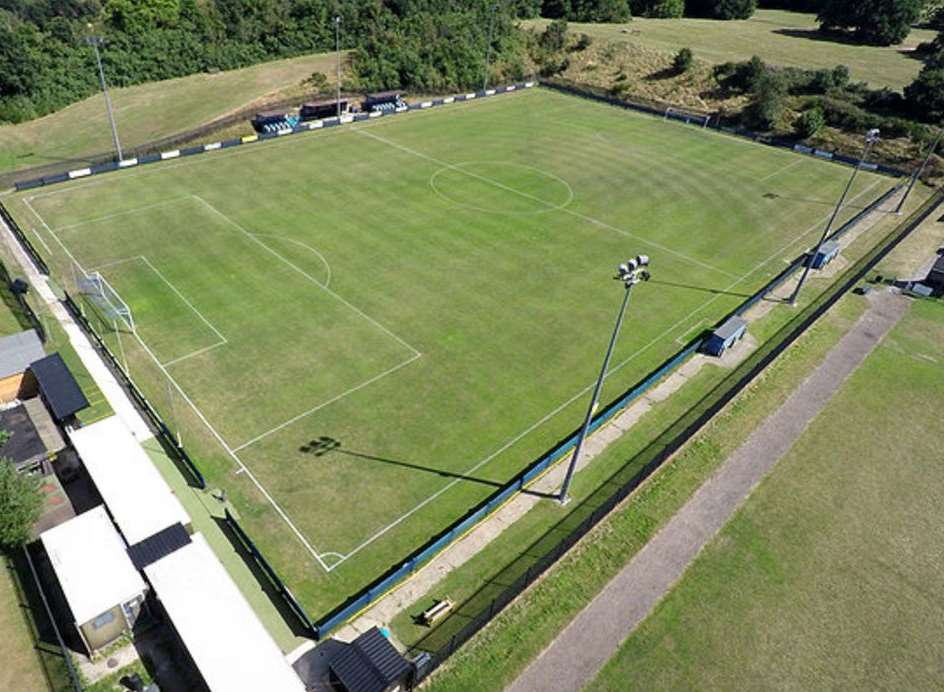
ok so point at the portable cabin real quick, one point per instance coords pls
(827, 253)
(104, 591)
(725, 336)
(326, 108)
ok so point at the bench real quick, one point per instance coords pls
(436, 611)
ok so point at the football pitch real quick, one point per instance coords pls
(362, 332)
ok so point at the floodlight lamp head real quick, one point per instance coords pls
(873, 135)
(642, 260)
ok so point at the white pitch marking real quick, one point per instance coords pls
(307, 247)
(564, 210)
(219, 438)
(557, 410)
(782, 170)
(117, 214)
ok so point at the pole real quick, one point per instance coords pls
(337, 49)
(807, 265)
(488, 46)
(917, 176)
(95, 41)
(562, 497)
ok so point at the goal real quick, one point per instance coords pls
(103, 296)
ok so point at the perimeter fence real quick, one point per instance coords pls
(472, 615)
(404, 569)
(401, 571)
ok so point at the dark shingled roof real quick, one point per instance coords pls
(58, 387)
(159, 545)
(369, 664)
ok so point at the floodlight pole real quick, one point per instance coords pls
(488, 45)
(95, 42)
(918, 173)
(871, 137)
(629, 279)
(337, 49)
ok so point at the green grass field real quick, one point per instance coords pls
(779, 37)
(361, 332)
(828, 578)
(147, 112)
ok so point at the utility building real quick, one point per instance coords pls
(725, 336)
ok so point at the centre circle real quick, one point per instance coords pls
(501, 187)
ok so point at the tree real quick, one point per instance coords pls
(663, 9)
(721, 9)
(925, 95)
(683, 60)
(810, 122)
(880, 22)
(20, 505)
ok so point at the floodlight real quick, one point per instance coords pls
(643, 260)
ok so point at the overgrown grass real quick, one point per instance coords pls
(778, 37)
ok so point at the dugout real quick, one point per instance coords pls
(268, 118)
(224, 638)
(326, 108)
(725, 336)
(370, 664)
(382, 100)
(827, 252)
(935, 277)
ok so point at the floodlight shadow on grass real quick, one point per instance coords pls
(702, 289)
(325, 445)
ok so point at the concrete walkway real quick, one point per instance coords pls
(594, 636)
(111, 389)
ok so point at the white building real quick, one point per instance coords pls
(104, 590)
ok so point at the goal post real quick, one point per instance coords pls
(103, 296)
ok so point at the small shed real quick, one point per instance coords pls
(725, 336)
(17, 353)
(936, 276)
(103, 589)
(370, 664)
(827, 253)
(58, 387)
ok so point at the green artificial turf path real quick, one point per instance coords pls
(360, 333)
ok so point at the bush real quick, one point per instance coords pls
(809, 123)
(683, 60)
(554, 38)
(767, 103)
(740, 77)
(20, 505)
(584, 41)
(847, 116)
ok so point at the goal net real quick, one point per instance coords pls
(103, 296)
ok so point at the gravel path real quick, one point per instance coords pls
(594, 636)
